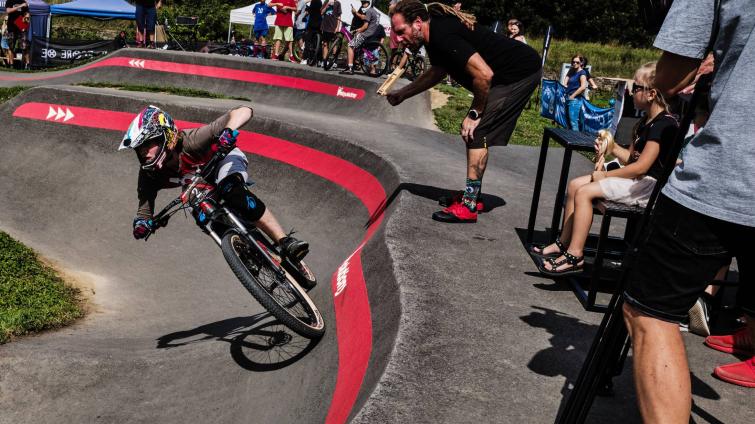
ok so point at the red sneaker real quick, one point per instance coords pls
(739, 343)
(456, 213)
(741, 373)
(456, 198)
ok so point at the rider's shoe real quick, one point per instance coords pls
(347, 71)
(294, 248)
(457, 213)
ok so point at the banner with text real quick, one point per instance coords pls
(64, 52)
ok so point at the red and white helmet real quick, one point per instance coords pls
(151, 125)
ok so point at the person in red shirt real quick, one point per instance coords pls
(284, 27)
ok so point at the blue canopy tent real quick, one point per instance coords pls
(40, 14)
(101, 9)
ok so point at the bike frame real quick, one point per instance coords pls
(361, 49)
(222, 215)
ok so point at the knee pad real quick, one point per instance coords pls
(234, 193)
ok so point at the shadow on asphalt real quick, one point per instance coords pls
(257, 343)
(570, 341)
(435, 194)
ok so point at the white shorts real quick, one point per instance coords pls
(234, 163)
(632, 192)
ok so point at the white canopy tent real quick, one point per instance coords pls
(244, 16)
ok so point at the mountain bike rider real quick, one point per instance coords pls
(169, 157)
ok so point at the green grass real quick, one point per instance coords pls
(607, 60)
(10, 92)
(32, 296)
(178, 91)
(529, 128)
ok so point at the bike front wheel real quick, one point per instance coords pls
(278, 292)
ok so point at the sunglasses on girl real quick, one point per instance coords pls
(637, 87)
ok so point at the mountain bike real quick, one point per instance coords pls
(273, 279)
(371, 56)
(415, 65)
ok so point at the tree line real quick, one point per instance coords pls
(578, 20)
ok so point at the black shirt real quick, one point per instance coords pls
(661, 130)
(315, 18)
(13, 16)
(146, 3)
(452, 44)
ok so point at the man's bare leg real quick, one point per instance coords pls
(270, 226)
(661, 373)
(477, 161)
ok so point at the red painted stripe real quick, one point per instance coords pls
(346, 93)
(351, 302)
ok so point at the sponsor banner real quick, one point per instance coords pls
(64, 52)
(592, 118)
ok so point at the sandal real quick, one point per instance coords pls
(559, 244)
(573, 261)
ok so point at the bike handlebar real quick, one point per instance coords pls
(161, 219)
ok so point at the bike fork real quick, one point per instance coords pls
(250, 240)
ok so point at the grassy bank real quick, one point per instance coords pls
(529, 128)
(32, 296)
(607, 60)
(10, 92)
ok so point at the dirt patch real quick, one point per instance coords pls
(438, 98)
(83, 281)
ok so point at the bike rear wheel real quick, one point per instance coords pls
(280, 294)
(417, 68)
(377, 66)
(313, 49)
(335, 50)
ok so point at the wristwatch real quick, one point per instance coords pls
(473, 114)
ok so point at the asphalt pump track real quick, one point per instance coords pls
(426, 322)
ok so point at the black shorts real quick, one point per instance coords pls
(327, 37)
(505, 104)
(681, 255)
(17, 40)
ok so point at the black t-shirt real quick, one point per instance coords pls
(146, 3)
(13, 16)
(452, 44)
(315, 18)
(661, 130)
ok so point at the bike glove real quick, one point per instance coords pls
(227, 140)
(142, 228)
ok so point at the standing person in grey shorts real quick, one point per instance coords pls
(704, 216)
(502, 73)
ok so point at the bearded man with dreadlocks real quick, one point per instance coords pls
(501, 72)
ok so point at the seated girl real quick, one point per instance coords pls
(631, 184)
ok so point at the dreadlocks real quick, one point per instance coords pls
(411, 9)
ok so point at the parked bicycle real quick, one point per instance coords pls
(415, 64)
(271, 277)
(371, 56)
(185, 44)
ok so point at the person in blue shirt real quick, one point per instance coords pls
(261, 11)
(576, 84)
